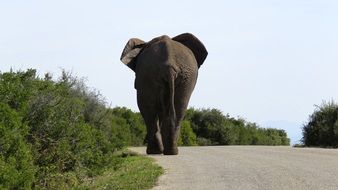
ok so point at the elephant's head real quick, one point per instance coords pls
(134, 46)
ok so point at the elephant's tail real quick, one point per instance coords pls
(168, 101)
(172, 112)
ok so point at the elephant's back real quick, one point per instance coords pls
(152, 64)
(182, 58)
(160, 57)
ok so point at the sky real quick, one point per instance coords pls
(269, 62)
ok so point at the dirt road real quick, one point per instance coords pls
(249, 168)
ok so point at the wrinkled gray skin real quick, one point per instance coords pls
(166, 72)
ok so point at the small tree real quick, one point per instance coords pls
(322, 128)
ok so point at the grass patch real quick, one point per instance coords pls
(131, 171)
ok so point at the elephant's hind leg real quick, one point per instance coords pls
(155, 145)
(168, 119)
(149, 114)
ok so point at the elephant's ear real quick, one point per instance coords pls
(130, 51)
(195, 45)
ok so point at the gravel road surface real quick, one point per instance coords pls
(249, 168)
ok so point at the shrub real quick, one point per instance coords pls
(16, 162)
(58, 133)
(213, 128)
(134, 123)
(203, 141)
(17, 88)
(187, 136)
(322, 127)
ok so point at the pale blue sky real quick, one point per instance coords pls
(270, 61)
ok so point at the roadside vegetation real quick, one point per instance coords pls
(59, 134)
(322, 128)
(212, 127)
(129, 172)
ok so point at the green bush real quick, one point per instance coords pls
(203, 141)
(16, 162)
(187, 136)
(55, 134)
(16, 89)
(322, 127)
(134, 123)
(213, 128)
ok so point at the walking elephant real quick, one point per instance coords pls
(166, 72)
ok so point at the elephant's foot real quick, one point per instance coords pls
(171, 151)
(152, 150)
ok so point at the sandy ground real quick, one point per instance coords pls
(249, 168)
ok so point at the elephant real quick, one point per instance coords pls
(166, 72)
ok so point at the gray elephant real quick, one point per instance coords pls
(166, 72)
